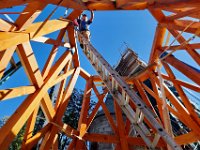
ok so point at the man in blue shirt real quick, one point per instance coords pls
(84, 25)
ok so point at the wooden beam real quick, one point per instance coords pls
(120, 127)
(139, 141)
(180, 10)
(180, 25)
(183, 83)
(160, 103)
(44, 140)
(187, 119)
(85, 74)
(62, 85)
(182, 94)
(82, 123)
(176, 4)
(5, 57)
(101, 6)
(95, 110)
(157, 14)
(144, 97)
(183, 68)
(69, 131)
(9, 39)
(62, 33)
(17, 120)
(187, 138)
(179, 47)
(109, 117)
(121, 3)
(25, 19)
(47, 40)
(72, 144)
(63, 105)
(192, 52)
(62, 77)
(33, 140)
(77, 5)
(107, 5)
(55, 145)
(52, 55)
(72, 41)
(6, 26)
(29, 62)
(135, 6)
(12, 3)
(183, 14)
(30, 125)
(157, 43)
(93, 137)
(15, 92)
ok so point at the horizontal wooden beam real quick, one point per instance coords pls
(179, 47)
(139, 141)
(188, 138)
(176, 4)
(180, 10)
(47, 40)
(9, 39)
(185, 69)
(108, 5)
(15, 92)
(183, 83)
(12, 3)
(65, 128)
(182, 25)
(94, 137)
(183, 14)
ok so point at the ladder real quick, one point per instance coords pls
(114, 82)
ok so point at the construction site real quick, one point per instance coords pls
(76, 98)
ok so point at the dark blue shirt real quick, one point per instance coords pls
(84, 25)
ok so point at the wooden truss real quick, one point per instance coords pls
(16, 37)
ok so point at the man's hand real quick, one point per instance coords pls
(75, 22)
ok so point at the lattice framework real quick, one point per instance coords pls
(16, 37)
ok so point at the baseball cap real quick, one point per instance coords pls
(84, 15)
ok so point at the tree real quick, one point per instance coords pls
(3, 120)
(16, 144)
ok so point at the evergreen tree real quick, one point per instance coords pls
(16, 144)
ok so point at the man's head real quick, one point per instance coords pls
(84, 17)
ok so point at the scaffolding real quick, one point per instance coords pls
(153, 126)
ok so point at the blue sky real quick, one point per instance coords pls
(109, 32)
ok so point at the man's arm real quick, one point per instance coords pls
(92, 15)
(76, 22)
